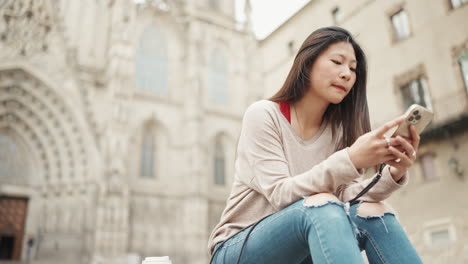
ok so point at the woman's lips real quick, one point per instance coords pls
(339, 87)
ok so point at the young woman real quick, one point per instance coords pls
(300, 157)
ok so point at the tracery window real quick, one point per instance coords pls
(218, 78)
(148, 153)
(151, 62)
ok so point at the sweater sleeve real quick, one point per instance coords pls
(381, 190)
(261, 156)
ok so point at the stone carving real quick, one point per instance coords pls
(112, 211)
(37, 113)
(26, 26)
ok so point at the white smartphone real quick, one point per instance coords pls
(417, 116)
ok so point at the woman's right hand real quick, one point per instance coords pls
(371, 148)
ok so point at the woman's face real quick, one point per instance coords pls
(333, 73)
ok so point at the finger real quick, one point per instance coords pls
(392, 142)
(407, 139)
(401, 158)
(415, 137)
(397, 144)
(408, 148)
(405, 161)
(394, 164)
(389, 157)
(400, 148)
(387, 142)
(389, 125)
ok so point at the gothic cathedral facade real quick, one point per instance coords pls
(118, 126)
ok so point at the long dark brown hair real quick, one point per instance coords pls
(351, 115)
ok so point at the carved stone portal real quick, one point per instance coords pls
(25, 26)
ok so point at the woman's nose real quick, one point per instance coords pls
(346, 75)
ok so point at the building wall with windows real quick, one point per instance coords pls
(417, 53)
(118, 126)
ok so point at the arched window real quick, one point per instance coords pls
(148, 151)
(218, 89)
(151, 62)
(14, 165)
(219, 163)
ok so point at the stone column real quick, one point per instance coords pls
(196, 204)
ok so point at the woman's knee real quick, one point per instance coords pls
(366, 209)
(327, 206)
(320, 199)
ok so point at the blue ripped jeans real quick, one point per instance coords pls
(301, 234)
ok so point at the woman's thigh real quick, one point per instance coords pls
(274, 240)
(283, 236)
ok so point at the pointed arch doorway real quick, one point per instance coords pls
(42, 153)
(14, 171)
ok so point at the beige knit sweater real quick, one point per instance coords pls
(274, 168)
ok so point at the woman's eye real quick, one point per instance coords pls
(339, 63)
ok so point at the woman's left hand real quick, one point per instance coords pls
(404, 157)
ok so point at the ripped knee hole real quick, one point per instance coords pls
(377, 209)
(320, 199)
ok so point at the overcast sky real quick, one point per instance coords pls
(267, 15)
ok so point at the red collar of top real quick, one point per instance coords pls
(285, 110)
